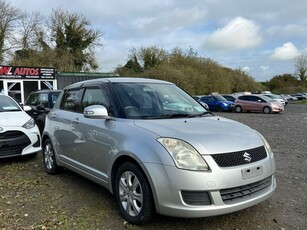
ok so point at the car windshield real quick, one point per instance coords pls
(220, 98)
(157, 101)
(266, 98)
(274, 96)
(8, 105)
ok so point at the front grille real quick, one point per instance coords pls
(237, 158)
(12, 143)
(196, 197)
(10, 134)
(237, 194)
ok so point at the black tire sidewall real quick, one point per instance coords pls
(269, 109)
(238, 107)
(55, 168)
(147, 209)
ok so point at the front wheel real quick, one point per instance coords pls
(133, 194)
(238, 109)
(267, 109)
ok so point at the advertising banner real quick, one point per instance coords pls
(22, 72)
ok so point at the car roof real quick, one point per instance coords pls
(118, 79)
(47, 91)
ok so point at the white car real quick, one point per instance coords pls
(276, 98)
(19, 134)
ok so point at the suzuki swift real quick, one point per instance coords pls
(157, 149)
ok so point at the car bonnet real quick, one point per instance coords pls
(207, 134)
(16, 118)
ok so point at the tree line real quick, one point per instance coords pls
(67, 42)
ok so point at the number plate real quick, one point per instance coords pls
(251, 172)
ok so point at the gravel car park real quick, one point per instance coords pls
(30, 199)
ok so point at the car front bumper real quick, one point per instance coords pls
(190, 194)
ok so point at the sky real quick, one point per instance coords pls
(262, 38)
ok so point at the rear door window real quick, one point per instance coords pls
(71, 100)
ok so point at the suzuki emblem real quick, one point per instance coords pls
(247, 157)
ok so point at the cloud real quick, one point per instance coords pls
(264, 67)
(286, 52)
(246, 69)
(239, 33)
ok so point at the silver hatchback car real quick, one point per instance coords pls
(157, 149)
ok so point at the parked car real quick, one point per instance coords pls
(197, 98)
(217, 102)
(276, 97)
(41, 102)
(19, 136)
(299, 96)
(229, 97)
(154, 154)
(257, 103)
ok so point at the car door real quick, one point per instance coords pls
(94, 139)
(210, 100)
(62, 128)
(256, 103)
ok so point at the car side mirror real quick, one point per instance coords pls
(26, 108)
(96, 112)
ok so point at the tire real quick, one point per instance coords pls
(219, 109)
(133, 194)
(238, 109)
(267, 109)
(49, 160)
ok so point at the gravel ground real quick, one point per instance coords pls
(31, 199)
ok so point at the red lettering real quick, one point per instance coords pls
(18, 71)
(5, 70)
(34, 71)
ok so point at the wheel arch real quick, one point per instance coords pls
(123, 159)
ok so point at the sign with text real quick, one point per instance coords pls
(22, 72)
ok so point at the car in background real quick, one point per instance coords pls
(156, 149)
(257, 103)
(197, 98)
(299, 96)
(19, 135)
(290, 98)
(41, 102)
(217, 102)
(229, 97)
(278, 98)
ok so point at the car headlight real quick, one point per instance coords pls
(267, 146)
(30, 124)
(184, 155)
(225, 104)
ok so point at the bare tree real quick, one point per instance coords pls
(9, 16)
(301, 67)
(30, 26)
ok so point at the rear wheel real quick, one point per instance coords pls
(219, 109)
(49, 160)
(267, 109)
(238, 109)
(133, 194)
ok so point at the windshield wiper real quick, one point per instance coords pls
(175, 115)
